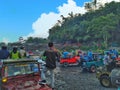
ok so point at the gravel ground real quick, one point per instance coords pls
(71, 78)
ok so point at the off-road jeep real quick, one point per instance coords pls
(20, 75)
(104, 74)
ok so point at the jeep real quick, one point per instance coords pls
(20, 75)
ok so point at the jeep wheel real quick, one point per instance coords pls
(65, 64)
(105, 81)
(92, 69)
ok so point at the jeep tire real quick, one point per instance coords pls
(65, 64)
(92, 69)
(105, 81)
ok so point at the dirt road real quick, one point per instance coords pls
(71, 78)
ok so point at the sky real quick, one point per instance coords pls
(25, 18)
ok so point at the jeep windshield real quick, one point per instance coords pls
(21, 68)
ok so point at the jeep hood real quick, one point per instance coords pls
(26, 82)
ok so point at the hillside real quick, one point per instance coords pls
(96, 27)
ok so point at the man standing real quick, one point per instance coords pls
(90, 55)
(22, 52)
(15, 54)
(51, 57)
(4, 53)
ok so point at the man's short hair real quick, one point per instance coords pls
(4, 47)
(50, 44)
(22, 47)
(15, 48)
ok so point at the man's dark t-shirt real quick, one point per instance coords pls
(50, 58)
(4, 54)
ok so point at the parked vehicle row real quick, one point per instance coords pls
(76, 60)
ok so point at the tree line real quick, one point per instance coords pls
(96, 27)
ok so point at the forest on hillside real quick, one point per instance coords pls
(100, 27)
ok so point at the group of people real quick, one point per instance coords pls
(51, 56)
(84, 56)
(87, 56)
(14, 54)
(110, 56)
(109, 59)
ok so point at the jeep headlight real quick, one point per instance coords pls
(4, 80)
(98, 72)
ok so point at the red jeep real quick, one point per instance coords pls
(75, 60)
(20, 75)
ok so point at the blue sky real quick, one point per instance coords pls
(33, 17)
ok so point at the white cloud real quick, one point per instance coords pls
(42, 25)
(70, 7)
